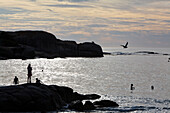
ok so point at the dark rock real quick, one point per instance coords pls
(106, 53)
(69, 96)
(28, 53)
(76, 105)
(89, 106)
(32, 44)
(39, 97)
(92, 96)
(6, 52)
(88, 49)
(6, 40)
(105, 103)
(166, 54)
(3, 58)
(147, 52)
(29, 97)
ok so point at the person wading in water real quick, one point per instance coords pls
(29, 68)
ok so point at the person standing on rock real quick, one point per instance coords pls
(29, 68)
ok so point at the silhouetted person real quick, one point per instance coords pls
(125, 46)
(131, 87)
(152, 87)
(29, 68)
(16, 81)
(38, 81)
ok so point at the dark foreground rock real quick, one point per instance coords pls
(105, 103)
(41, 44)
(40, 97)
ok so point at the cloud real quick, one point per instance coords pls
(77, 0)
(103, 21)
(81, 33)
(97, 25)
(11, 10)
(68, 6)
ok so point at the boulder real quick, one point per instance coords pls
(76, 105)
(92, 96)
(105, 103)
(29, 97)
(89, 106)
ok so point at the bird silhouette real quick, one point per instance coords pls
(125, 46)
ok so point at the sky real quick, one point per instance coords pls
(109, 23)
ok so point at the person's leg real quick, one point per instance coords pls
(29, 79)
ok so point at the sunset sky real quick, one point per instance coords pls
(109, 23)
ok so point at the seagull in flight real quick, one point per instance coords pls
(125, 46)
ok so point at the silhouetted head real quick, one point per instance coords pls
(152, 87)
(131, 87)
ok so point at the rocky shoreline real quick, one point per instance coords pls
(41, 44)
(39, 97)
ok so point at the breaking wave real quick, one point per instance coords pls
(134, 104)
(137, 53)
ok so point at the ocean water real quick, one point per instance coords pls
(109, 76)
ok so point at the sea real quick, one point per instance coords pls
(110, 76)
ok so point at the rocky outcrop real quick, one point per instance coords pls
(89, 49)
(40, 97)
(32, 44)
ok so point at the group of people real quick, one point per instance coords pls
(29, 68)
(133, 88)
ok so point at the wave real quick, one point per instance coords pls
(136, 53)
(138, 104)
(136, 109)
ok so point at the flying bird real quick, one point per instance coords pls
(125, 46)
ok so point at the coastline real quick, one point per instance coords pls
(32, 97)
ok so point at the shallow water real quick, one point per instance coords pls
(109, 76)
